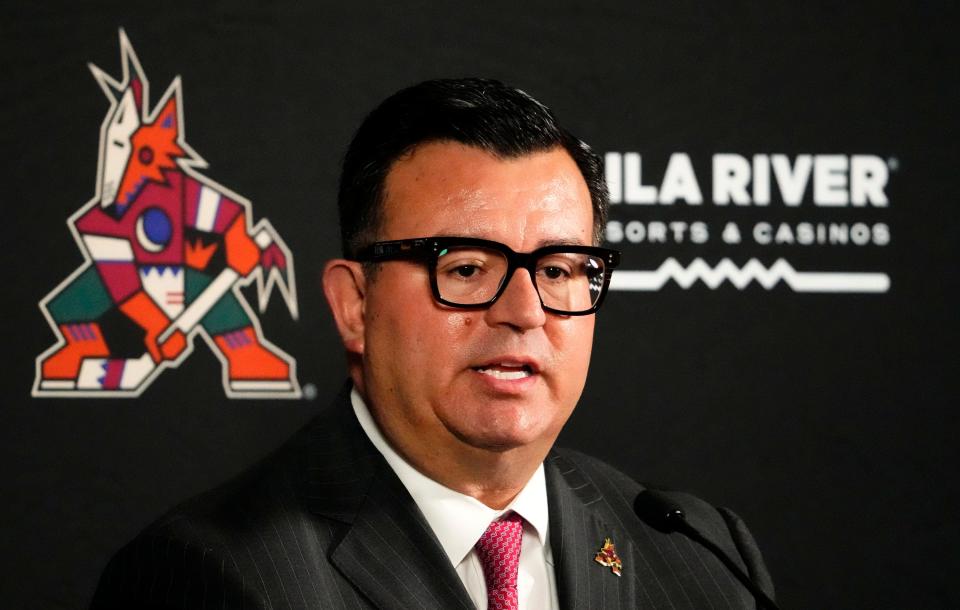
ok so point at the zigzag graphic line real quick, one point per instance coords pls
(754, 270)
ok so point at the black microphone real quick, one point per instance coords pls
(662, 513)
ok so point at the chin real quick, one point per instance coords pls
(500, 436)
(496, 444)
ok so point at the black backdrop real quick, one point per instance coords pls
(824, 419)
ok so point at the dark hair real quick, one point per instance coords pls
(484, 113)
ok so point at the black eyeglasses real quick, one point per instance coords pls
(473, 273)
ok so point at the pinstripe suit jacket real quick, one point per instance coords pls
(324, 523)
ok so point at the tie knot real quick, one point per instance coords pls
(499, 552)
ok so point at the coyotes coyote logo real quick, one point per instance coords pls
(167, 251)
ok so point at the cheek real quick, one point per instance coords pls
(572, 341)
(450, 333)
(573, 336)
(457, 324)
(410, 335)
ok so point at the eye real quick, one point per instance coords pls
(554, 273)
(145, 155)
(468, 265)
(463, 270)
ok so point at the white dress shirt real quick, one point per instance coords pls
(459, 520)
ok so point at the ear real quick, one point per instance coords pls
(345, 287)
(111, 88)
(168, 117)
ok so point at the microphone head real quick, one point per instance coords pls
(659, 511)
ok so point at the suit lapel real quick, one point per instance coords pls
(660, 571)
(577, 532)
(388, 552)
(391, 555)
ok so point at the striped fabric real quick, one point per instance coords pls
(324, 523)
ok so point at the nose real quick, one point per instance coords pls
(519, 305)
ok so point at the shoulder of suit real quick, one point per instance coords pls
(599, 473)
(611, 492)
(620, 490)
(270, 484)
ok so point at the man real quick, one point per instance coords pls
(466, 304)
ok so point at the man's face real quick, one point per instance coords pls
(492, 379)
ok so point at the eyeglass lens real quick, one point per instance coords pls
(566, 281)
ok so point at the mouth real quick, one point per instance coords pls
(507, 370)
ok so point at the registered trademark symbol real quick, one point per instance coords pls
(309, 391)
(893, 163)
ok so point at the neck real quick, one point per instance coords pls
(493, 478)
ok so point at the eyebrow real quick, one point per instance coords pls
(561, 242)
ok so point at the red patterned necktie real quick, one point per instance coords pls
(499, 551)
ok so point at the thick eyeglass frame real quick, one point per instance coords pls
(429, 249)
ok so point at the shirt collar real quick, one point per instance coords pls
(458, 520)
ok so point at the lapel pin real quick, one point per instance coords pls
(607, 557)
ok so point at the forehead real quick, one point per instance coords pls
(448, 188)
